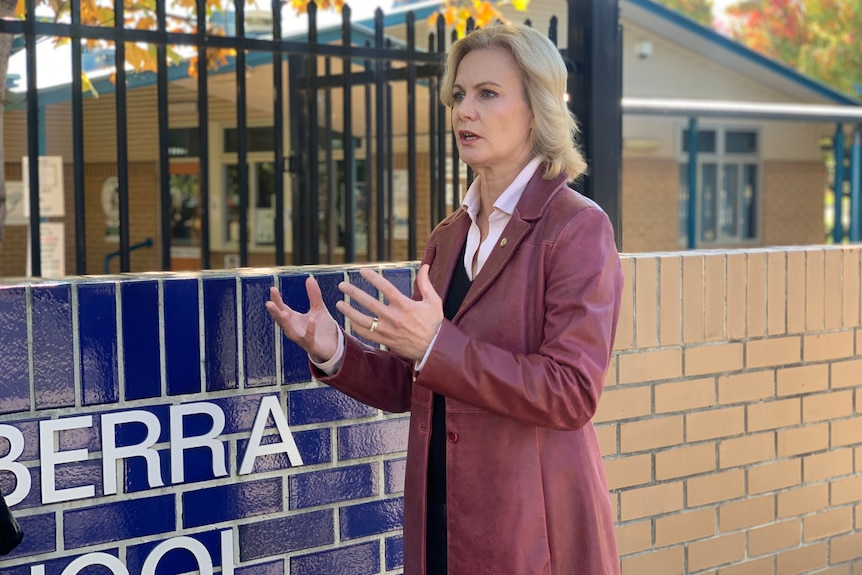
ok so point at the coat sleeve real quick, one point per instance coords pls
(559, 385)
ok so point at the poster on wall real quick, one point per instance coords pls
(52, 242)
(400, 209)
(15, 204)
(51, 200)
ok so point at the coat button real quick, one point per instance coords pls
(452, 437)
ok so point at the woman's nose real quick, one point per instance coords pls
(466, 109)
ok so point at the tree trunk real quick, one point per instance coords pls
(7, 9)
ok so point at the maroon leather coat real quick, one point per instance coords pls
(522, 366)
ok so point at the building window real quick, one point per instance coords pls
(261, 213)
(728, 186)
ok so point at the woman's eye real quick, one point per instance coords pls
(458, 96)
(488, 93)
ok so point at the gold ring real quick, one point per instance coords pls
(373, 325)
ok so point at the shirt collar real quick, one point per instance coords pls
(509, 198)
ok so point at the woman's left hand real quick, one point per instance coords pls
(405, 326)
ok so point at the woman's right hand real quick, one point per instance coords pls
(315, 331)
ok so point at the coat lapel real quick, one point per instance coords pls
(449, 245)
(532, 204)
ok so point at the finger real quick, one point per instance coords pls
(275, 297)
(369, 302)
(358, 320)
(315, 296)
(423, 282)
(389, 291)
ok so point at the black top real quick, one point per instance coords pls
(436, 536)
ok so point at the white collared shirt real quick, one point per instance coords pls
(504, 207)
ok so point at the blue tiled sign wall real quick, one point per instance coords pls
(160, 425)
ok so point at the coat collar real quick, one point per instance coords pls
(453, 233)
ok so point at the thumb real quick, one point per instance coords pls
(423, 284)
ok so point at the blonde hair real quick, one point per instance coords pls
(543, 75)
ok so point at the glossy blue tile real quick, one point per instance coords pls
(322, 404)
(118, 521)
(358, 281)
(363, 559)
(370, 518)
(86, 436)
(394, 552)
(137, 472)
(134, 430)
(97, 325)
(178, 560)
(79, 474)
(394, 474)
(53, 356)
(402, 278)
(294, 360)
(328, 282)
(182, 336)
(332, 485)
(30, 430)
(15, 383)
(57, 566)
(295, 532)
(198, 464)
(313, 445)
(231, 502)
(8, 483)
(272, 568)
(40, 535)
(220, 333)
(140, 309)
(258, 332)
(369, 439)
(240, 411)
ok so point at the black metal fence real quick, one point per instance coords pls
(324, 191)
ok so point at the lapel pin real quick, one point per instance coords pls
(503, 242)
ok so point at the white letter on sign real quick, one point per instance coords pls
(180, 443)
(111, 453)
(115, 565)
(269, 406)
(202, 556)
(9, 463)
(50, 458)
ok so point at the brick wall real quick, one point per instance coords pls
(731, 418)
(730, 424)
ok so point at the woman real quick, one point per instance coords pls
(504, 371)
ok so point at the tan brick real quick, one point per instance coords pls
(762, 566)
(756, 294)
(858, 457)
(746, 387)
(857, 514)
(846, 548)
(736, 295)
(803, 500)
(715, 487)
(683, 527)
(607, 435)
(615, 506)
(814, 317)
(773, 351)
(838, 570)
(846, 374)
(774, 476)
(773, 537)
(827, 523)
(714, 423)
(651, 433)
(624, 403)
(717, 551)
(795, 291)
(611, 373)
(751, 448)
(650, 365)
(634, 537)
(653, 500)
(829, 405)
(774, 414)
(827, 346)
(705, 359)
(851, 288)
(827, 465)
(682, 461)
(684, 395)
(746, 513)
(715, 297)
(646, 302)
(665, 561)
(692, 298)
(670, 300)
(802, 560)
(832, 288)
(624, 338)
(628, 471)
(802, 379)
(798, 440)
(776, 285)
(845, 490)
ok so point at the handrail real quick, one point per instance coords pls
(147, 243)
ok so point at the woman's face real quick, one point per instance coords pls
(491, 118)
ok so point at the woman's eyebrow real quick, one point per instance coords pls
(479, 84)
